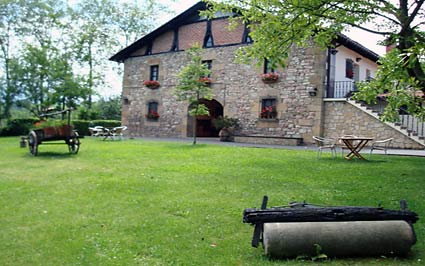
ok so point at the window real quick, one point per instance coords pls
(152, 113)
(368, 75)
(349, 68)
(246, 38)
(175, 46)
(154, 72)
(149, 49)
(209, 65)
(268, 67)
(208, 41)
(268, 108)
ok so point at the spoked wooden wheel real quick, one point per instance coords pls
(74, 143)
(33, 143)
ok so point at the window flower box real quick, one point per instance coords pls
(268, 112)
(152, 115)
(269, 77)
(151, 84)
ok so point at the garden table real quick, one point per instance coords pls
(108, 133)
(355, 145)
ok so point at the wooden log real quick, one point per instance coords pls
(326, 214)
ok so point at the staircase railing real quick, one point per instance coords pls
(413, 125)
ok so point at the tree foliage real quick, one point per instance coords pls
(275, 26)
(57, 54)
(104, 26)
(192, 88)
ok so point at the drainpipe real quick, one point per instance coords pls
(329, 93)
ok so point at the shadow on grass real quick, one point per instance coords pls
(185, 146)
(52, 155)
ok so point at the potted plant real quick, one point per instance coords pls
(269, 77)
(152, 115)
(53, 128)
(151, 84)
(205, 80)
(227, 126)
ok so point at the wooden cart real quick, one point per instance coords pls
(55, 133)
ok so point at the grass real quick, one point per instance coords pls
(137, 202)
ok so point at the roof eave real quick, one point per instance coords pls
(357, 47)
(170, 25)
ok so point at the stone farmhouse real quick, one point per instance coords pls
(308, 99)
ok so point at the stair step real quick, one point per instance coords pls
(415, 135)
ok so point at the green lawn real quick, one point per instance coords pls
(137, 202)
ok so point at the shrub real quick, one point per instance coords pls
(82, 127)
(18, 126)
(22, 126)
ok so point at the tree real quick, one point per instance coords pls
(10, 22)
(32, 21)
(109, 108)
(102, 26)
(134, 22)
(92, 38)
(275, 26)
(192, 87)
(47, 80)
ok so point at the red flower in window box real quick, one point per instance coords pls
(205, 80)
(151, 84)
(269, 77)
(268, 112)
(152, 115)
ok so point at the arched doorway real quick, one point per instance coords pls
(205, 123)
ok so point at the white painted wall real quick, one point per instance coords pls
(345, 53)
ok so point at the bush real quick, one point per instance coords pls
(18, 126)
(22, 126)
(82, 127)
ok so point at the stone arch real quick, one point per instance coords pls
(205, 123)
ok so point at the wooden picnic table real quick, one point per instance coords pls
(355, 145)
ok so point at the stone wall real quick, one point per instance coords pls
(342, 118)
(237, 87)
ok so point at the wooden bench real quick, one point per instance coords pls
(272, 140)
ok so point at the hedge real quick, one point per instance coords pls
(17, 127)
(22, 126)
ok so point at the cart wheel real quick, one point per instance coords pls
(74, 143)
(32, 143)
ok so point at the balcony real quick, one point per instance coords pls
(340, 89)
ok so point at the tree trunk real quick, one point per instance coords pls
(194, 129)
(325, 214)
(407, 34)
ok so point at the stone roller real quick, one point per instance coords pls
(338, 239)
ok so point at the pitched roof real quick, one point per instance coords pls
(191, 15)
(357, 47)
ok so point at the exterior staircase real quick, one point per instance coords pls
(407, 125)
